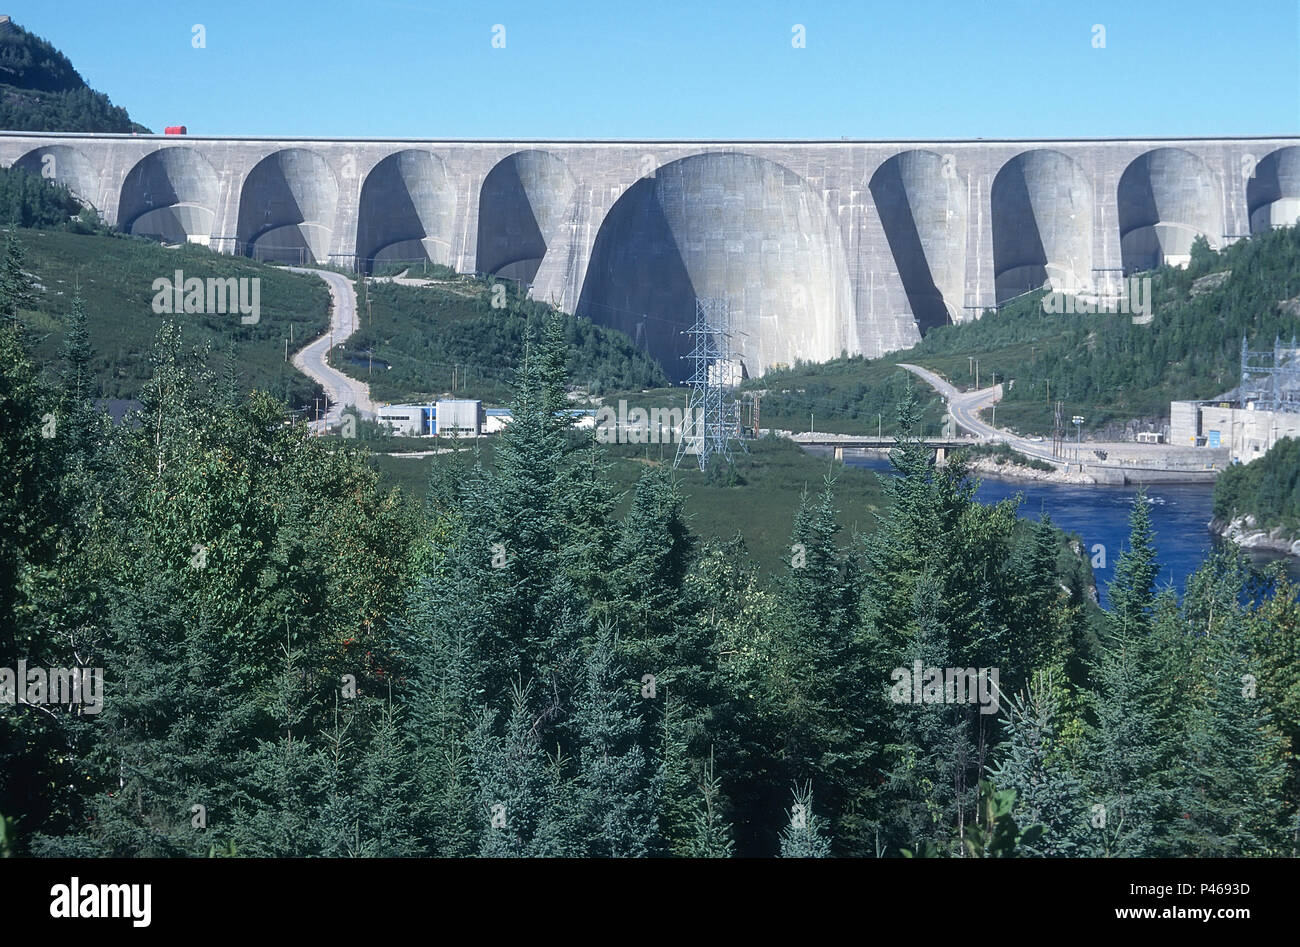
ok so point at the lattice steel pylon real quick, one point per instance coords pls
(1271, 379)
(712, 417)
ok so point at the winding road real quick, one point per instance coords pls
(340, 389)
(965, 408)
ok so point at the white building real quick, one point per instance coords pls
(1247, 432)
(410, 419)
(459, 418)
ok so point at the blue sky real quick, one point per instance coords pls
(667, 69)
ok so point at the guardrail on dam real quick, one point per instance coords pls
(822, 247)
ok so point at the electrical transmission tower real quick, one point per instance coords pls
(1058, 432)
(1271, 379)
(712, 418)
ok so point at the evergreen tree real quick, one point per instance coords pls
(1047, 793)
(385, 788)
(619, 787)
(1132, 590)
(275, 814)
(803, 837)
(817, 676)
(514, 783)
(15, 287)
(1231, 770)
(1136, 720)
(712, 836)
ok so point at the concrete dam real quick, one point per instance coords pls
(820, 247)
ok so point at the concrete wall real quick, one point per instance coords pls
(1248, 434)
(1184, 422)
(821, 247)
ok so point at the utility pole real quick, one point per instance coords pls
(710, 409)
(286, 350)
(880, 426)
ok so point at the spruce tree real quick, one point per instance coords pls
(384, 793)
(278, 802)
(1230, 768)
(817, 676)
(804, 837)
(1031, 764)
(514, 781)
(1132, 590)
(619, 786)
(1137, 725)
(712, 836)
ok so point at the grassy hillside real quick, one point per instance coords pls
(846, 396)
(41, 91)
(116, 277)
(417, 342)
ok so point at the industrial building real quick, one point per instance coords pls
(445, 418)
(1249, 420)
(460, 418)
(409, 419)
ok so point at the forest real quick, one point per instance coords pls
(40, 91)
(28, 200)
(1267, 488)
(299, 661)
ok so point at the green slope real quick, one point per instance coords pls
(1100, 365)
(116, 276)
(415, 343)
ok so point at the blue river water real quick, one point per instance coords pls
(1098, 514)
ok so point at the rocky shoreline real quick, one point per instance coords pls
(1247, 533)
(987, 466)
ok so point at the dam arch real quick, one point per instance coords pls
(287, 207)
(921, 203)
(1041, 209)
(1167, 197)
(522, 203)
(66, 166)
(1273, 192)
(407, 211)
(723, 224)
(171, 195)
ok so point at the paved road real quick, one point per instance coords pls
(310, 360)
(965, 406)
